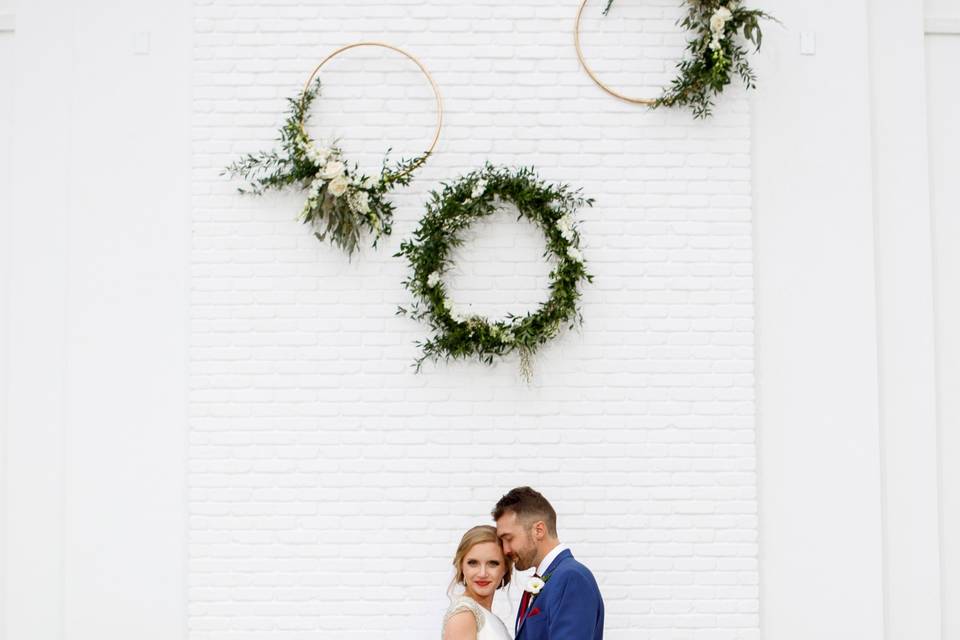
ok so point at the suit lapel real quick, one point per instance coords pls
(533, 598)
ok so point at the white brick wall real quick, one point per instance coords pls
(329, 484)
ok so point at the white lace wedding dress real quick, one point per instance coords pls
(489, 626)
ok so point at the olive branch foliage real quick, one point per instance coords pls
(341, 218)
(705, 71)
(453, 208)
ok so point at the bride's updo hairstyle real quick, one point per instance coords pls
(479, 535)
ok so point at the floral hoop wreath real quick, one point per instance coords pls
(713, 55)
(457, 334)
(341, 202)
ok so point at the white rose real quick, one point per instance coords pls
(573, 252)
(433, 279)
(535, 585)
(719, 19)
(367, 182)
(333, 169)
(338, 186)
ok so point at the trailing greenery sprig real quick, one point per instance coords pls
(457, 334)
(342, 203)
(713, 54)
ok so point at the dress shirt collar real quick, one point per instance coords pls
(549, 558)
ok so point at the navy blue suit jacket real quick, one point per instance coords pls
(568, 607)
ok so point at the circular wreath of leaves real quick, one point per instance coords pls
(713, 53)
(449, 212)
(342, 203)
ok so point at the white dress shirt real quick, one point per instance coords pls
(550, 557)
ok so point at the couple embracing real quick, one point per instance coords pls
(560, 602)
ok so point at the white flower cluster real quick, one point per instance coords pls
(506, 335)
(457, 314)
(314, 154)
(360, 201)
(565, 225)
(718, 22)
(333, 175)
(478, 189)
(334, 172)
(574, 254)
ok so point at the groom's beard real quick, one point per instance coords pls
(524, 560)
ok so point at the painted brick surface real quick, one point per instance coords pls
(329, 483)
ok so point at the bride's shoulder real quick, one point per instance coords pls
(465, 604)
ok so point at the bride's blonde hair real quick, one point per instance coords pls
(479, 535)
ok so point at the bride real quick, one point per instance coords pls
(481, 568)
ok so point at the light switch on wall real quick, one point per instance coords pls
(141, 43)
(808, 43)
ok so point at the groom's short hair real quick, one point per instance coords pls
(530, 506)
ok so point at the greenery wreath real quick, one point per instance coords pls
(713, 53)
(341, 202)
(449, 212)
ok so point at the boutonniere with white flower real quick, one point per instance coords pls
(535, 584)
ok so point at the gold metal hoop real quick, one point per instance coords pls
(433, 84)
(593, 76)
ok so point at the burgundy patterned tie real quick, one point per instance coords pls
(524, 606)
(524, 603)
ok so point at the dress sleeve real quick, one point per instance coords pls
(464, 604)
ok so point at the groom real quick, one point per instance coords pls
(562, 600)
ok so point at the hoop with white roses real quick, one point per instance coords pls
(713, 54)
(457, 334)
(341, 202)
